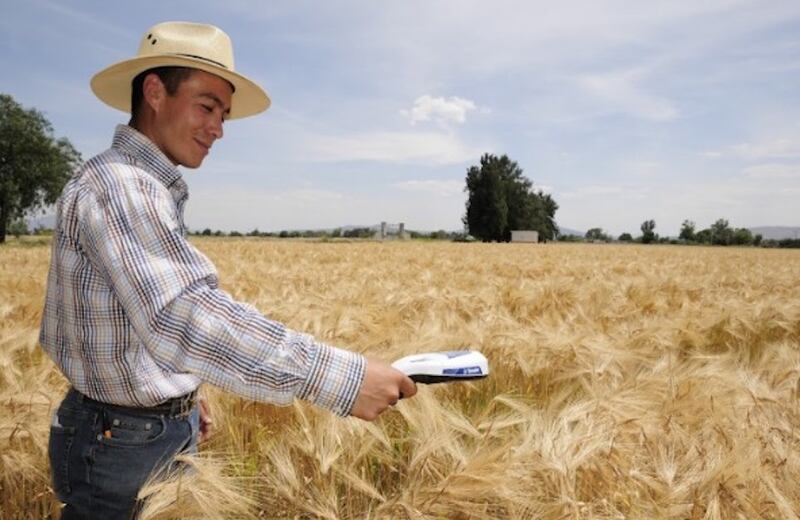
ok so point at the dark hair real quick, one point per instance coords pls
(171, 77)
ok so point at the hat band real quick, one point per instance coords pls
(202, 58)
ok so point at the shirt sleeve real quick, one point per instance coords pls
(169, 292)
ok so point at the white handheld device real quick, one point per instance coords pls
(441, 367)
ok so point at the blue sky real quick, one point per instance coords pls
(624, 111)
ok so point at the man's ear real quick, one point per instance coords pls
(154, 92)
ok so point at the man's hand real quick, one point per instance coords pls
(383, 386)
(206, 423)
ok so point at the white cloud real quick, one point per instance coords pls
(429, 147)
(641, 168)
(773, 171)
(439, 109)
(781, 147)
(621, 92)
(436, 187)
(778, 148)
(308, 195)
(591, 191)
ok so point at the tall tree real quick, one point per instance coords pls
(597, 233)
(545, 221)
(34, 165)
(687, 231)
(648, 233)
(743, 237)
(502, 199)
(721, 233)
(487, 210)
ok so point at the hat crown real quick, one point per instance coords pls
(194, 40)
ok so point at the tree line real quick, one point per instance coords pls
(356, 232)
(720, 233)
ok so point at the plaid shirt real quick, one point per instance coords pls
(134, 314)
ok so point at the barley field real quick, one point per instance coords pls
(627, 382)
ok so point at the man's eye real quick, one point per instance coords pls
(208, 108)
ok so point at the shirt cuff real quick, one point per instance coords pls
(334, 379)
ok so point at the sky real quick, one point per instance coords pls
(623, 111)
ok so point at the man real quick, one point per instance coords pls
(134, 316)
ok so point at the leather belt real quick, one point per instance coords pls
(176, 406)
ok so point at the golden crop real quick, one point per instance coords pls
(627, 382)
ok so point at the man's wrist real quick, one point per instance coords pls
(334, 379)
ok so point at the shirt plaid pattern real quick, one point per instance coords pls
(134, 315)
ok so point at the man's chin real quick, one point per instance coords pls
(193, 164)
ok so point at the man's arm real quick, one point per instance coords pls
(168, 291)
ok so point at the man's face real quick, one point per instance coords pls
(188, 122)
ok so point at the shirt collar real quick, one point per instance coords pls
(131, 142)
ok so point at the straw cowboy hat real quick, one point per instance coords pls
(181, 44)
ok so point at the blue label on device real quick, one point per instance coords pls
(463, 371)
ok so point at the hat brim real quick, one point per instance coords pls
(112, 85)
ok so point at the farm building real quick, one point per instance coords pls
(392, 232)
(525, 236)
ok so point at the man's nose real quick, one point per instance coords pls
(216, 128)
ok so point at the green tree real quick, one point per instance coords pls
(487, 209)
(687, 231)
(597, 234)
(545, 215)
(18, 227)
(34, 165)
(625, 237)
(743, 237)
(721, 233)
(648, 233)
(703, 236)
(502, 199)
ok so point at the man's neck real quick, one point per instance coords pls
(147, 130)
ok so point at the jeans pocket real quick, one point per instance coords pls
(59, 448)
(123, 429)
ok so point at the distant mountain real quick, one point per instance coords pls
(776, 232)
(564, 231)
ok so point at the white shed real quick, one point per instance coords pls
(525, 236)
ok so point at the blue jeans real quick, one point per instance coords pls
(100, 455)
